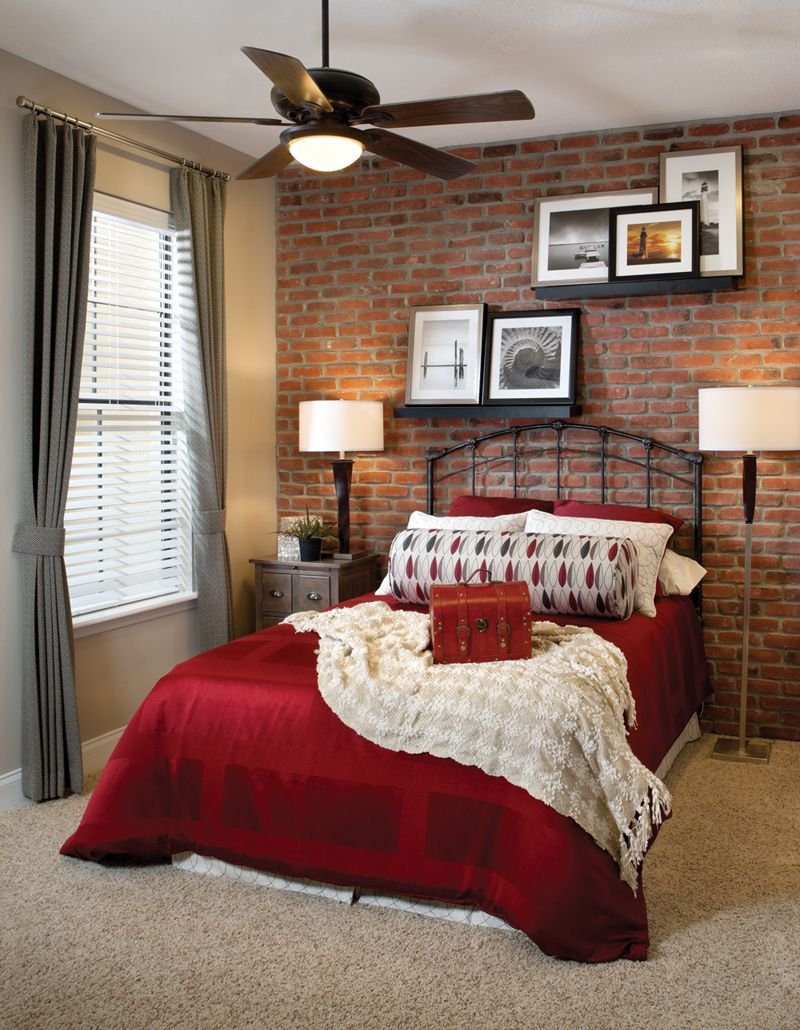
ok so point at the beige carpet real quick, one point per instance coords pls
(90, 947)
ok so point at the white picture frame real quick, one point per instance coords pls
(570, 235)
(713, 177)
(445, 354)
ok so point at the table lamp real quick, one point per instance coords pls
(342, 426)
(748, 418)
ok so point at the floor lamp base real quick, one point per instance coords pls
(728, 749)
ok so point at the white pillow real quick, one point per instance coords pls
(650, 539)
(497, 523)
(679, 574)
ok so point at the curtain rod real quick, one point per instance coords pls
(31, 105)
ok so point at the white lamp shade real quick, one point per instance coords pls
(341, 426)
(749, 418)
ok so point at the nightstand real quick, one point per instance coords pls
(285, 586)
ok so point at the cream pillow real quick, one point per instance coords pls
(493, 523)
(650, 539)
(679, 574)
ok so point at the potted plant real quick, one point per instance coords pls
(310, 531)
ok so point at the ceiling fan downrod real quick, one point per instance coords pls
(325, 36)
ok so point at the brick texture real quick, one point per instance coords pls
(359, 248)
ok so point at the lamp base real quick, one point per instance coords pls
(350, 555)
(727, 748)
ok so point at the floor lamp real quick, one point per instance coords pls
(341, 426)
(748, 418)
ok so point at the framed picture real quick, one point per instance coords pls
(655, 241)
(532, 357)
(714, 179)
(445, 354)
(570, 235)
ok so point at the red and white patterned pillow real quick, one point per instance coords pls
(650, 540)
(567, 575)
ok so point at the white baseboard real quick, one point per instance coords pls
(96, 753)
(11, 790)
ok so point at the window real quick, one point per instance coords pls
(127, 517)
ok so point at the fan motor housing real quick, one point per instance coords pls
(348, 93)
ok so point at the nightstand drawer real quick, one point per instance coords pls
(284, 586)
(276, 592)
(312, 593)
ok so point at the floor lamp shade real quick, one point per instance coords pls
(748, 419)
(341, 426)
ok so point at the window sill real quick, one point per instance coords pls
(129, 614)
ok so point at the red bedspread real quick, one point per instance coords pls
(235, 755)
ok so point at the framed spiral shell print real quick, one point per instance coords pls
(532, 357)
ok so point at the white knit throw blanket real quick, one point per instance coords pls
(553, 725)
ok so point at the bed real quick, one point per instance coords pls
(234, 754)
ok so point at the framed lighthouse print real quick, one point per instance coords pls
(653, 241)
(713, 178)
(445, 354)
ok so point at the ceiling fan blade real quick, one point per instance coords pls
(416, 155)
(270, 164)
(289, 75)
(510, 105)
(188, 118)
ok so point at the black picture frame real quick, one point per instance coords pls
(654, 241)
(532, 357)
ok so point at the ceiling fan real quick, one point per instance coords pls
(323, 107)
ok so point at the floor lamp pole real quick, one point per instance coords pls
(748, 566)
(741, 750)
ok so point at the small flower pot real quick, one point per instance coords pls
(311, 549)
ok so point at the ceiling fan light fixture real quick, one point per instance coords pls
(324, 153)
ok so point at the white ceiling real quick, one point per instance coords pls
(585, 64)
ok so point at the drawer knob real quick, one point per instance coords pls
(314, 596)
(276, 593)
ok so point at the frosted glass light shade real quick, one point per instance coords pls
(341, 426)
(749, 418)
(325, 153)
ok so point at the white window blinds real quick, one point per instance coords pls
(127, 518)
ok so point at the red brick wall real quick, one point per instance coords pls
(357, 249)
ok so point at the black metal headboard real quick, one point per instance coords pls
(575, 460)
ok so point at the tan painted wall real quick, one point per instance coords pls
(116, 668)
